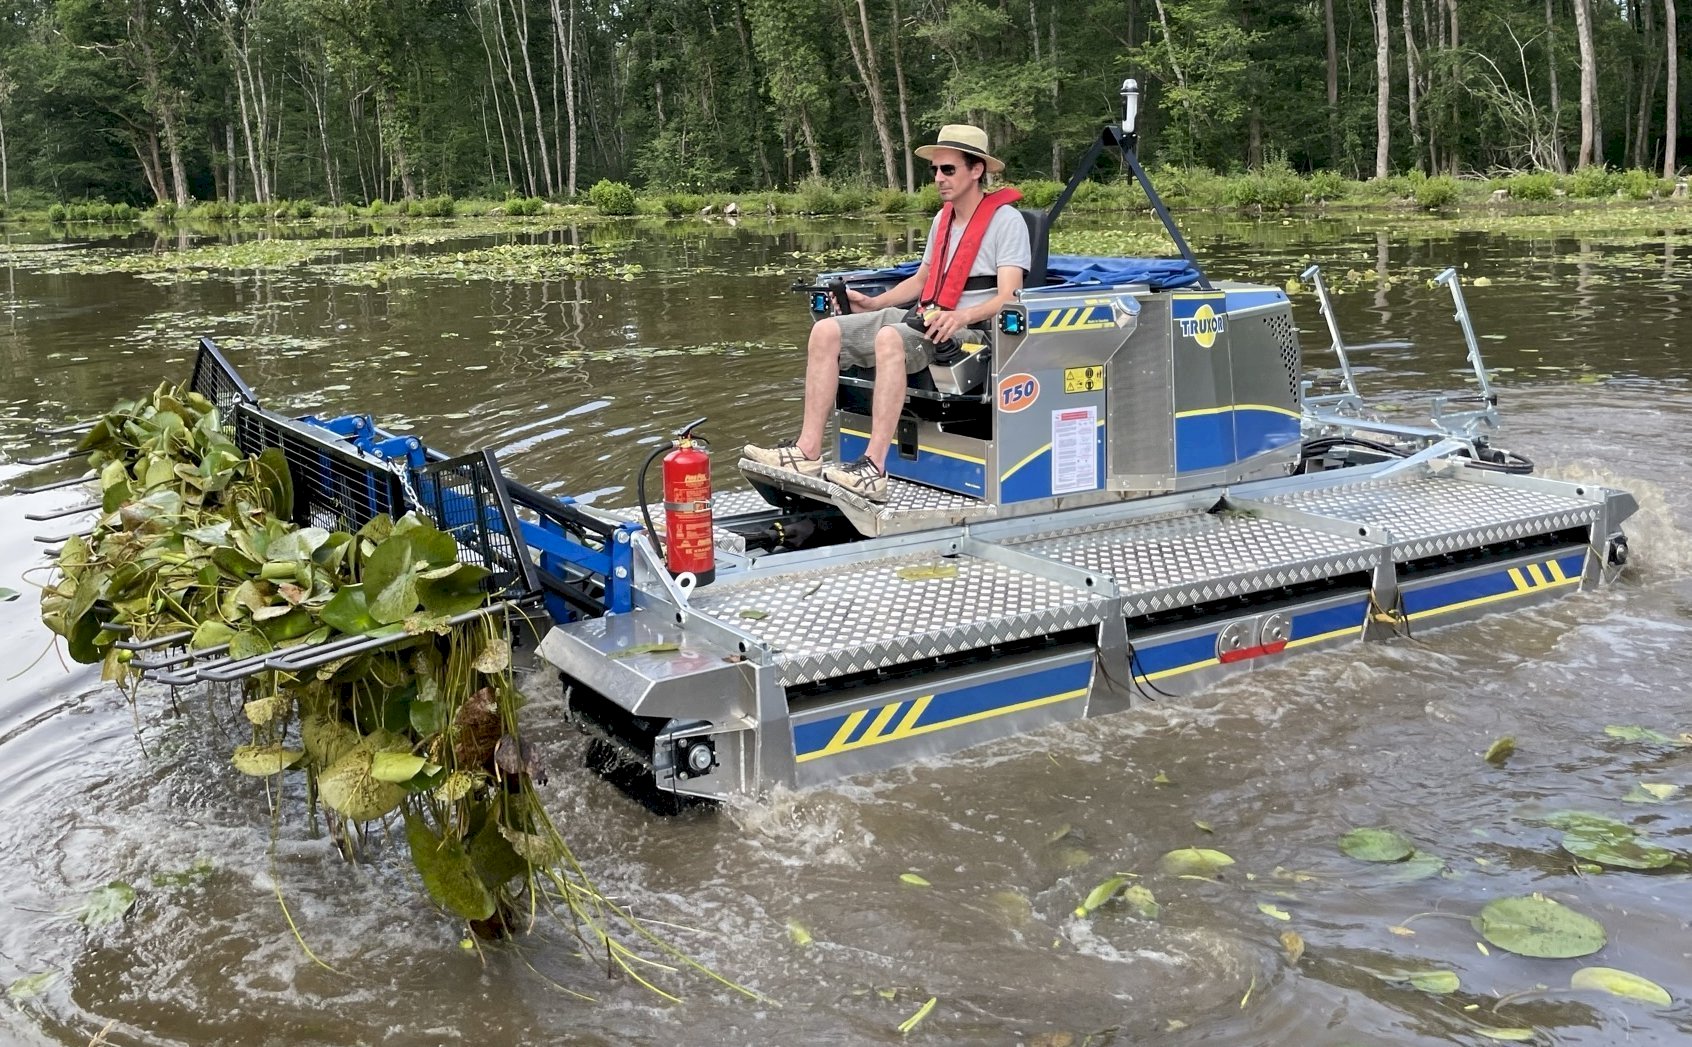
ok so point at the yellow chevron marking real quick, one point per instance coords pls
(1538, 575)
(918, 707)
(838, 745)
(1556, 571)
(882, 719)
(1519, 580)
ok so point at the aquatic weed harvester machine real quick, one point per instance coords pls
(1124, 489)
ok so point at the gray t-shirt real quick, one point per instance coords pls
(1006, 243)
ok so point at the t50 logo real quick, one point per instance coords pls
(1018, 391)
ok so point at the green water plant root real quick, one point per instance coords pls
(197, 540)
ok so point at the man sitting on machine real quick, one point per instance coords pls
(983, 250)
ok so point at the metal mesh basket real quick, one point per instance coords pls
(466, 497)
(216, 380)
(335, 486)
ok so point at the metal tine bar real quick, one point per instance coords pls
(148, 665)
(223, 670)
(49, 539)
(57, 513)
(62, 456)
(66, 430)
(169, 640)
(317, 655)
(55, 485)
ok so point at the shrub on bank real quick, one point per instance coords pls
(1435, 192)
(1326, 185)
(613, 198)
(1539, 185)
(817, 196)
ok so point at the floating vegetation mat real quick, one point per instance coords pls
(196, 540)
(518, 262)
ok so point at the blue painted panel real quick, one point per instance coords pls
(935, 470)
(1176, 654)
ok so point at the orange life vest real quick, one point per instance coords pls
(946, 278)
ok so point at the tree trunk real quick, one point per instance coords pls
(1333, 84)
(5, 172)
(256, 169)
(1556, 95)
(1588, 83)
(520, 19)
(1453, 160)
(1383, 91)
(811, 149)
(1410, 87)
(864, 57)
(152, 168)
(904, 102)
(493, 89)
(1641, 152)
(1671, 114)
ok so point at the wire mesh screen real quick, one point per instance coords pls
(335, 487)
(216, 380)
(466, 498)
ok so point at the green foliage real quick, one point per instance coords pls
(612, 198)
(894, 201)
(678, 205)
(1327, 185)
(1592, 182)
(305, 209)
(1274, 185)
(521, 206)
(817, 196)
(56, 213)
(1539, 185)
(1642, 185)
(1439, 191)
(1040, 192)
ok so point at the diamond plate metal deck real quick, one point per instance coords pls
(1430, 515)
(1178, 561)
(849, 618)
(909, 507)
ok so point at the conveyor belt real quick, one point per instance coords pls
(857, 616)
(1180, 561)
(1428, 515)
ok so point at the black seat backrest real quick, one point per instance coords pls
(1039, 243)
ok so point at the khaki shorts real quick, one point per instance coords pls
(857, 339)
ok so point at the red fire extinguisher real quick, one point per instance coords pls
(688, 541)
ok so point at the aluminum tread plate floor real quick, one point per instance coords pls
(859, 616)
(1431, 515)
(1178, 561)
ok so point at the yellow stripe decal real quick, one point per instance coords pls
(1354, 631)
(927, 449)
(1043, 449)
(882, 719)
(1230, 408)
(1521, 589)
(1520, 581)
(1557, 571)
(1538, 575)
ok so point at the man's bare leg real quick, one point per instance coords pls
(822, 377)
(889, 397)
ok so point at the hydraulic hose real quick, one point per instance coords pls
(640, 493)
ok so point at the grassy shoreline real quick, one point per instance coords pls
(1272, 189)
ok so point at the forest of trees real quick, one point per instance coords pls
(156, 101)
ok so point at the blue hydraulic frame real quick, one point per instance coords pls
(551, 536)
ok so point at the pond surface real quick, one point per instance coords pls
(570, 381)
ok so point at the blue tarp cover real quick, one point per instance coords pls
(1084, 271)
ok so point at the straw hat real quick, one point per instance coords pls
(965, 138)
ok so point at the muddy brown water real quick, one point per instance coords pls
(570, 381)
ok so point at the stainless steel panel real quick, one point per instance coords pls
(863, 616)
(1140, 454)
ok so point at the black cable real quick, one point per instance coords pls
(1141, 679)
(640, 493)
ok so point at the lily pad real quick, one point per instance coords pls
(262, 761)
(1534, 925)
(1376, 845)
(1651, 792)
(1621, 983)
(31, 985)
(1500, 750)
(1615, 849)
(1195, 861)
(396, 767)
(1101, 894)
(914, 880)
(1635, 733)
(927, 572)
(1273, 911)
(644, 648)
(1435, 981)
(107, 905)
(1140, 900)
(448, 874)
(350, 787)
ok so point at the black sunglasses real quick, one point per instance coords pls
(942, 169)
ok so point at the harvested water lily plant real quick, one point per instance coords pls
(197, 541)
